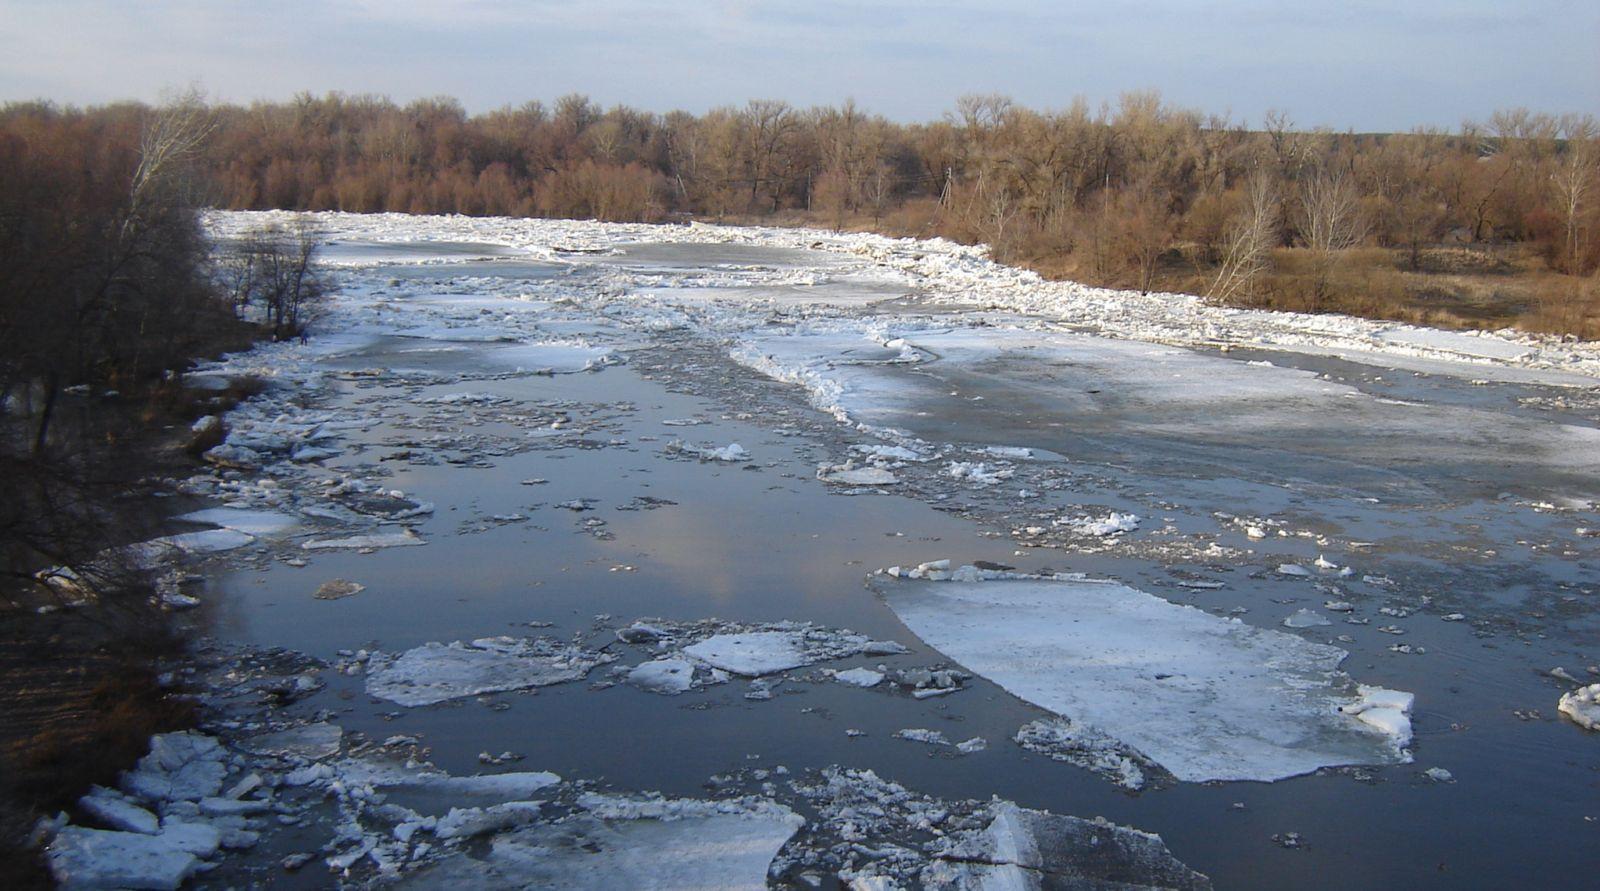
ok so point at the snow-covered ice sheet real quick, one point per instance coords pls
(1204, 697)
(1189, 403)
(942, 271)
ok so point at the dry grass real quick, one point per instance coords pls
(1452, 287)
(80, 702)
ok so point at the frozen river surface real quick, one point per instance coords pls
(882, 563)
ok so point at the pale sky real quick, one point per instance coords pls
(1358, 64)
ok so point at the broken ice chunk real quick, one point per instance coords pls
(1306, 618)
(436, 672)
(1062, 739)
(1111, 524)
(859, 677)
(614, 842)
(401, 539)
(311, 742)
(1387, 710)
(848, 474)
(1583, 706)
(666, 676)
(1022, 848)
(922, 735)
(92, 858)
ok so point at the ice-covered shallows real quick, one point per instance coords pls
(1205, 697)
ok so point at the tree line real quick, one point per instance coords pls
(1138, 193)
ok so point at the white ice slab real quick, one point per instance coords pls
(436, 672)
(751, 654)
(252, 522)
(1207, 698)
(402, 539)
(646, 845)
(666, 676)
(91, 858)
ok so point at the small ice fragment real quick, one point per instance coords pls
(1439, 775)
(859, 677)
(1110, 524)
(1293, 569)
(668, 677)
(922, 735)
(1306, 618)
(1583, 706)
(845, 475)
(975, 744)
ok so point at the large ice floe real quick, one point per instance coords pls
(436, 672)
(1204, 697)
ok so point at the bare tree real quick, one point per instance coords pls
(1331, 223)
(171, 140)
(272, 269)
(1249, 240)
(1573, 179)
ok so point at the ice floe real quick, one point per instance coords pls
(436, 672)
(253, 522)
(1204, 697)
(81, 858)
(849, 474)
(403, 539)
(1063, 739)
(669, 676)
(618, 842)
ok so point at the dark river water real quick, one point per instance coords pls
(1443, 509)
